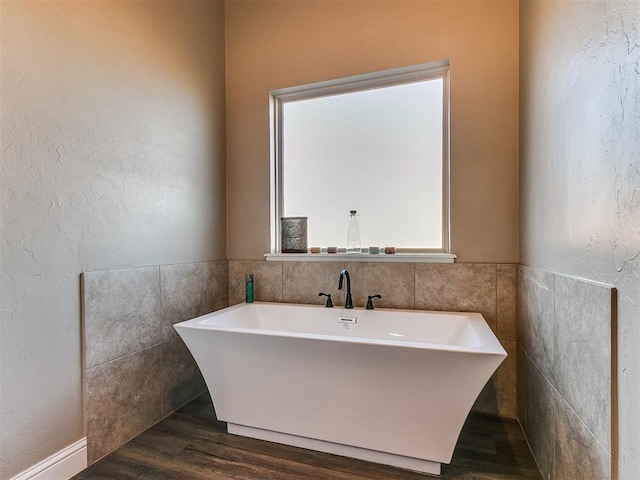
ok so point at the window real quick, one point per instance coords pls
(376, 143)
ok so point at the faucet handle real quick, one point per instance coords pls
(370, 302)
(329, 303)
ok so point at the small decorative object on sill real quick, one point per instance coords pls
(315, 249)
(389, 250)
(374, 250)
(294, 234)
(248, 284)
(332, 249)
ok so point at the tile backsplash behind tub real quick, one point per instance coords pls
(486, 288)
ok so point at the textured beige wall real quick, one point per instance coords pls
(580, 167)
(275, 44)
(112, 156)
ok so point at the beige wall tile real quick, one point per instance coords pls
(394, 281)
(578, 454)
(457, 287)
(536, 317)
(499, 395)
(190, 290)
(506, 382)
(181, 377)
(541, 419)
(522, 387)
(122, 313)
(123, 399)
(267, 280)
(582, 363)
(302, 281)
(506, 279)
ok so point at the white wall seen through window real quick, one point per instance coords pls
(377, 149)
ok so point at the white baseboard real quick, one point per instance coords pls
(60, 466)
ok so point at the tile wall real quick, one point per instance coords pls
(565, 373)
(137, 370)
(486, 288)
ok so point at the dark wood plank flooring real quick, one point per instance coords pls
(192, 444)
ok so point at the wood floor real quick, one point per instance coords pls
(192, 444)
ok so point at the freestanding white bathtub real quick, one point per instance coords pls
(395, 387)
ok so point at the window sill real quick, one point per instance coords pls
(362, 257)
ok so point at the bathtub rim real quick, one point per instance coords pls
(489, 345)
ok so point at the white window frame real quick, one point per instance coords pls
(368, 81)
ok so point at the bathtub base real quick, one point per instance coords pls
(409, 463)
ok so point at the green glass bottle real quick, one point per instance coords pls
(248, 283)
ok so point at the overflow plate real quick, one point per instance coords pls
(350, 320)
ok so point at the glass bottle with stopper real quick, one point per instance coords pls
(353, 233)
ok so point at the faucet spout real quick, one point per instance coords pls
(348, 301)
